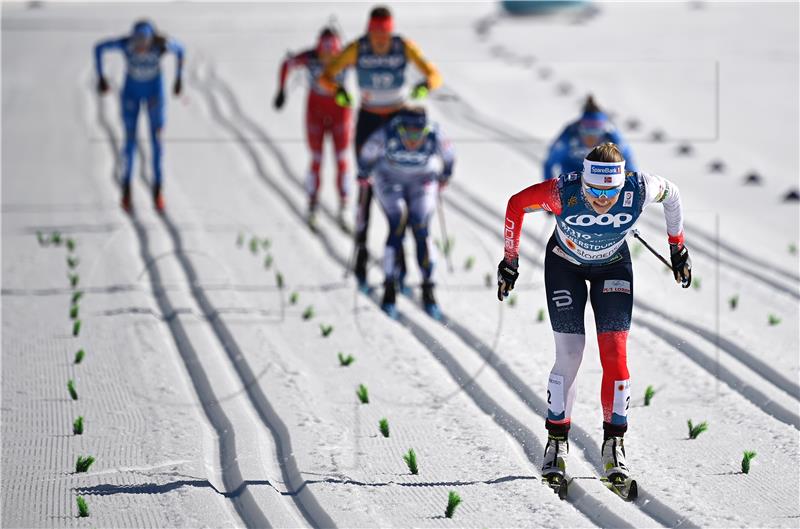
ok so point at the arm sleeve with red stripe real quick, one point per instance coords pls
(539, 197)
(293, 61)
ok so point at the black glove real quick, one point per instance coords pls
(177, 87)
(506, 277)
(280, 97)
(681, 264)
(102, 85)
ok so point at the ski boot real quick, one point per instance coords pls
(360, 268)
(617, 476)
(389, 303)
(554, 467)
(429, 302)
(158, 198)
(127, 204)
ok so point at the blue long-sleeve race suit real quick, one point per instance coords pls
(568, 151)
(143, 84)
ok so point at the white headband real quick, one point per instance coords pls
(604, 173)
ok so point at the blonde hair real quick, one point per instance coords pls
(606, 152)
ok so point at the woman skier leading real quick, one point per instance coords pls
(594, 210)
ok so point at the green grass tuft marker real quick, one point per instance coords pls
(773, 320)
(540, 316)
(469, 263)
(733, 302)
(410, 458)
(83, 463)
(326, 330)
(345, 361)
(254, 245)
(55, 238)
(266, 243)
(308, 313)
(77, 426)
(696, 283)
(363, 394)
(694, 431)
(73, 280)
(383, 425)
(748, 456)
(293, 297)
(79, 356)
(73, 312)
(512, 300)
(279, 280)
(72, 262)
(83, 508)
(77, 295)
(71, 244)
(76, 327)
(71, 388)
(453, 501)
(793, 249)
(648, 395)
(268, 262)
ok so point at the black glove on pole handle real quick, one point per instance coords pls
(660, 258)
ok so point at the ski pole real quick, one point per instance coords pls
(445, 240)
(654, 252)
(362, 199)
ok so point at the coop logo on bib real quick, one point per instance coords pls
(601, 220)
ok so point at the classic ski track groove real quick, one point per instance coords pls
(754, 395)
(647, 503)
(472, 116)
(304, 499)
(245, 503)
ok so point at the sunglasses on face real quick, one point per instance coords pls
(412, 135)
(597, 193)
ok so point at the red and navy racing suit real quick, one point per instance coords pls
(323, 116)
(587, 246)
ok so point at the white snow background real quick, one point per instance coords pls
(210, 402)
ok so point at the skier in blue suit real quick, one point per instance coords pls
(143, 49)
(567, 153)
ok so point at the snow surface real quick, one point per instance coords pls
(210, 402)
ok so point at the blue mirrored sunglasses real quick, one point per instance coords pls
(597, 193)
(412, 135)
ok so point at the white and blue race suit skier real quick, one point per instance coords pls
(411, 161)
(594, 210)
(143, 50)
